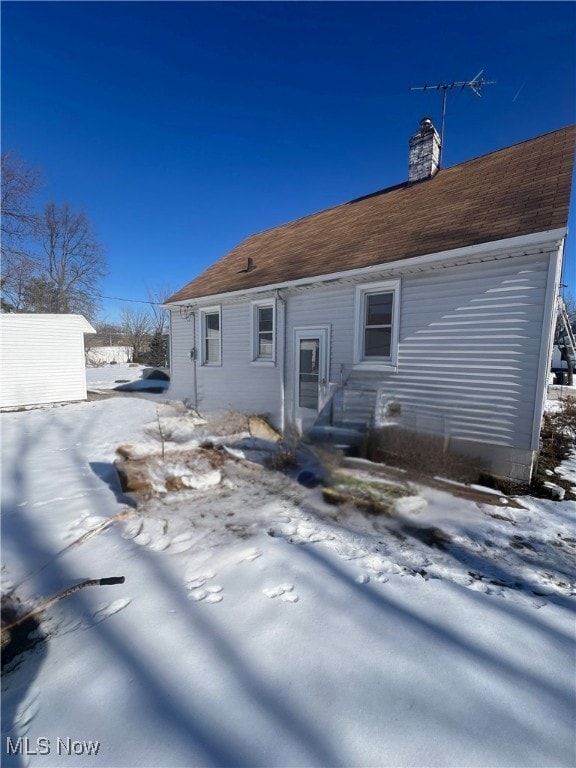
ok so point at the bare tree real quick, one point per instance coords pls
(39, 294)
(570, 304)
(107, 334)
(137, 324)
(64, 275)
(19, 182)
(73, 263)
(157, 297)
(18, 271)
(160, 320)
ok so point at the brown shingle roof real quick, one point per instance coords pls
(519, 190)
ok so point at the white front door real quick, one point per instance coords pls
(311, 351)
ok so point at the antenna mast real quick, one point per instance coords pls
(475, 86)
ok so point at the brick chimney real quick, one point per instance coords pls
(424, 152)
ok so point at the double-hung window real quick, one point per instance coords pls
(211, 330)
(377, 314)
(263, 329)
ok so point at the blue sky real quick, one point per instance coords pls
(183, 127)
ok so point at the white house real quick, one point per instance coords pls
(437, 295)
(42, 359)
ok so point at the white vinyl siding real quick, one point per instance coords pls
(237, 384)
(468, 347)
(468, 352)
(468, 357)
(331, 307)
(43, 359)
(183, 351)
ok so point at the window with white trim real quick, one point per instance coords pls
(377, 314)
(263, 329)
(211, 329)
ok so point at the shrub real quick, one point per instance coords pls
(282, 459)
(558, 432)
(557, 441)
(420, 453)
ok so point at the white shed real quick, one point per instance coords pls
(42, 359)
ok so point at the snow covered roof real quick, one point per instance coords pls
(19, 319)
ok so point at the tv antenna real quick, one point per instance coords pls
(475, 86)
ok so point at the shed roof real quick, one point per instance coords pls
(55, 322)
(519, 190)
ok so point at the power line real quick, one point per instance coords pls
(133, 301)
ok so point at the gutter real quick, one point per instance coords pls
(194, 355)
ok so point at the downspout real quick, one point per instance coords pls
(194, 356)
(170, 339)
(282, 362)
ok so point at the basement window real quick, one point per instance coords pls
(377, 319)
(210, 323)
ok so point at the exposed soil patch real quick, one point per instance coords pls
(22, 637)
(373, 496)
(155, 475)
(456, 489)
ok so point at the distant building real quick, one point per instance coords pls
(107, 355)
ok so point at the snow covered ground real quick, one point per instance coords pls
(107, 377)
(259, 626)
